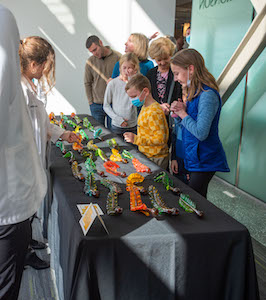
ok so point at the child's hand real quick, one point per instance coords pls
(70, 137)
(166, 108)
(176, 105)
(129, 137)
(179, 108)
(174, 166)
(124, 124)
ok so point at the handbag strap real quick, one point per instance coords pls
(171, 91)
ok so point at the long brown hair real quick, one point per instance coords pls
(35, 48)
(200, 76)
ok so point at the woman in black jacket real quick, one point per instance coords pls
(164, 89)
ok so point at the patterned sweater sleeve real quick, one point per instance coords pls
(156, 133)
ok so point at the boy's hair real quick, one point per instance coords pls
(92, 39)
(37, 49)
(141, 45)
(139, 82)
(161, 48)
(201, 75)
(130, 57)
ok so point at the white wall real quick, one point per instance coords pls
(67, 24)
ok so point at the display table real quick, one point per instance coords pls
(174, 257)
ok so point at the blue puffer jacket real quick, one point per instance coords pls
(207, 155)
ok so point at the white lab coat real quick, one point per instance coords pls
(43, 130)
(22, 179)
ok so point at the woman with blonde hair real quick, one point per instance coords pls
(138, 44)
(37, 61)
(117, 103)
(164, 89)
(199, 119)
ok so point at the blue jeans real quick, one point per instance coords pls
(99, 114)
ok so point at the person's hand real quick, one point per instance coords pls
(110, 79)
(129, 137)
(166, 108)
(124, 124)
(70, 137)
(177, 105)
(154, 36)
(174, 166)
(179, 108)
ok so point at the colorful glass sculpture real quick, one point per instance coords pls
(77, 119)
(140, 167)
(71, 155)
(112, 203)
(77, 129)
(86, 154)
(83, 134)
(158, 203)
(127, 154)
(86, 122)
(111, 167)
(136, 203)
(112, 143)
(51, 116)
(53, 119)
(76, 171)
(78, 146)
(71, 123)
(61, 145)
(136, 163)
(99, 152)
(63, 116)
(61, 124)
(92, 146)
(167, 182)
(96, 132)
(90, 187)
(116, 156)
(188, 205)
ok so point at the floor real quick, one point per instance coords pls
(249, 211)
(40, 285)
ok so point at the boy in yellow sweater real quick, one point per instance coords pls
(152, 133)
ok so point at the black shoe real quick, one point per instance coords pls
(37, 245)
(34, 261)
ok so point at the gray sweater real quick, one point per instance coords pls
(118, 105)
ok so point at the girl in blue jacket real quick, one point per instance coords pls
(198, 118)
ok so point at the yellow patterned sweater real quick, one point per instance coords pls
(153, 133)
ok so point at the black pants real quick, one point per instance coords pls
(14, 241)
(182, 172)
(199, 181)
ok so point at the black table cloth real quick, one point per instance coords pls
(173, 257)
